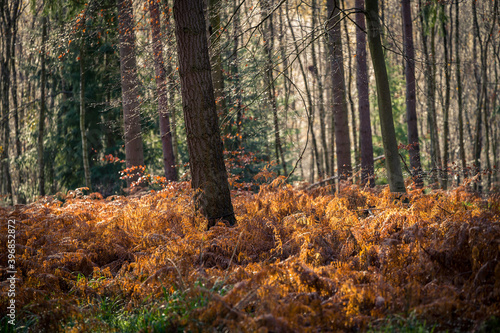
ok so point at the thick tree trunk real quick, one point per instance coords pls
(134, 155)
(208, 172)
(83, 128)
(161, 90)
(392, 163)
(411, 107)
(365, 129)
(339, 92)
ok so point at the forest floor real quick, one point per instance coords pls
(297, 261)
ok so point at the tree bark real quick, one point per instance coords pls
(134, 155)
(83, 128)
(216, 61)
(430, 71)
(161, 90)
(411, 107)
(392, 163)
(365, 129)
(41, 116)
(321, 109)
(208, 172)
(459, 94)
(339, 92)
(446, 106)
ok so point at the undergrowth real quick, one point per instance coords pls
(304, 261)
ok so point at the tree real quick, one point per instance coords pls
(131, 112)
(83, 128)
(392, 163)
(365, 128)
(411, 107)
(208, 172)
(343, 142)
(161, 90)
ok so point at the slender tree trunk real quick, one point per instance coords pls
(271, 94)
(446, 107)
(237, 103)
(134, 155)
(41, 116)
(339, 92)
(392, 163)
(315, 71)
(161, 90)
(430, 71)
(411, 107)
(208, 172)
(83, 128)
(171, 79)
(365, 129)
(459, 94)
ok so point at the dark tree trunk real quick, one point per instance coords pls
(411, 107)
(392, 163)
(367, 168)
(339, 92)
(134, 155)
(208, 172)
(161, 90)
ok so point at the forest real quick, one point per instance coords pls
(249, 166)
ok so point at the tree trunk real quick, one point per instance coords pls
(459, 94)
(365, 129)
(83, 128)
(208, 172)
(315, 71)
(392, 163)
(237, 102)
(41, 117)
(161, 90)
(446, 107)
(134, 155)
(411, 107)
(214, 29)
(430, 71)
(339, 92)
